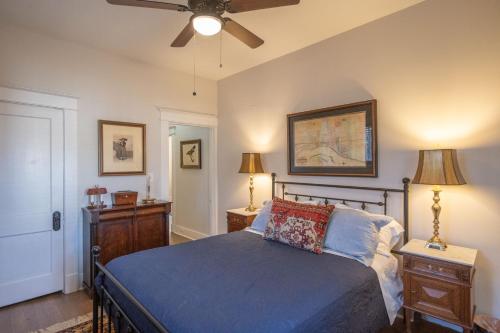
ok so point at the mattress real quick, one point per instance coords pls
(239, 282)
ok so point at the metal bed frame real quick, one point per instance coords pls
(103, 301)
(364, 203)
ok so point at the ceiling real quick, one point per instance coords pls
(145, 34)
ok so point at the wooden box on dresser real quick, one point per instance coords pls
(121, 230)
(239, 218)
(439, 283)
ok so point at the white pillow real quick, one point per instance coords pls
(389, 236)
(264, 215)
(355, 233)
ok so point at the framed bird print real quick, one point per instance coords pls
(191, 154)
(122, 148)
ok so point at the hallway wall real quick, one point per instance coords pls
(191, 186)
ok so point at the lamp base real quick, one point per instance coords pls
(436, 243)
(251, 208)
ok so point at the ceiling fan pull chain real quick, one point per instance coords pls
(220, 50)
(194, 64)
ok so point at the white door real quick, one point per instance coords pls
(31, 190)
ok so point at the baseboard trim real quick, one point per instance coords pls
(188, 233)
(80, 281)
(71, 283)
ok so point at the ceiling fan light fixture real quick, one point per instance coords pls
(207, 25)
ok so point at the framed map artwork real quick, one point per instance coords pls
(336, 141)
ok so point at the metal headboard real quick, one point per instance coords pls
(384, 190)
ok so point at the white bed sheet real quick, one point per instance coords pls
(390, 281)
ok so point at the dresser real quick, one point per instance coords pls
(439, 283)
(239, 218)
(121, 230)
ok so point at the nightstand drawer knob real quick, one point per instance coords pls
(413, 291)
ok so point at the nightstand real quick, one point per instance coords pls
(239, 218)
(439, 283)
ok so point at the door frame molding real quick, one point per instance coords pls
(170, 117)
(68, 106)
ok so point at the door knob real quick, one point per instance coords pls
(56, 221)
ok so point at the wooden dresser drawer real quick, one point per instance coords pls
(237, 222)
(232, 227)
(440, 269)
(235, 218)
(121, 230)
(437, 298)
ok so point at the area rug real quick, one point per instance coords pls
(80, 324)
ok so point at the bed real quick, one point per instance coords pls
(238, 282)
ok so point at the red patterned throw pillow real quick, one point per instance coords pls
(298, 225)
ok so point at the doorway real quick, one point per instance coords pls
(189, 174)
(176, 126)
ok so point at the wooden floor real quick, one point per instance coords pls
(43, 312)
(48, 310)
(177, 239)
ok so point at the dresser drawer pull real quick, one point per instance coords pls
(429, 267)
(413, 291)
(440, 269)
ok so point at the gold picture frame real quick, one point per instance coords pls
(122, 148)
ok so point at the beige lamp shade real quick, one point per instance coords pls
(438, 167)
(250, 163)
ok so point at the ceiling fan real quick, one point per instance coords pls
(207, 16)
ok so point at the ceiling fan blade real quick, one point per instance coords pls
(242, 33)
(149, 4)
(184, 37)
(238, 6)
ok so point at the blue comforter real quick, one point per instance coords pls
(239, 282)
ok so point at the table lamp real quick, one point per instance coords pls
(250, 163)
(95, 199)
(438, 167)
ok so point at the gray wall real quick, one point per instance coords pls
(435, 70)
(191, 191)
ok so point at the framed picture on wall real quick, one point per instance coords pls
(122, 148)
(335, 141)
(191, 154)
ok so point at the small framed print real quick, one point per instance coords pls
(336, 141)
(191, 154)
(122, 148)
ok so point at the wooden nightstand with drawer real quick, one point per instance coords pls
(238, 219)
(439, 283)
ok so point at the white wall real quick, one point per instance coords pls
(435, 70)
(108, 87)
(191, 191)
